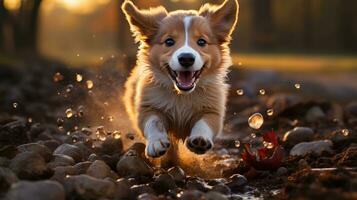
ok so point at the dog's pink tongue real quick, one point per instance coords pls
(185, 78)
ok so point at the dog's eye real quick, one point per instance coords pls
(201, 42)
(169, 42)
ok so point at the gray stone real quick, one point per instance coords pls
(315, 147)
(298, 135)
(134, 167)
(87, 187)
(111, 146)
(62, 172)
(7, 178)
(178, 174)
(142, 189)
(40, 190)
(30, 165)
(281, 171)
(44, 151)
(163, 183)
(61, 160)
(147, 196)
(221, 188)
(237, 181)
(215, 196)
(71, 151)
(51, 144)
(4, 162)
(82, 167)
(99, 169)
(191, 194)
(314, 114)
(123, 190)
(196, 184)
(351, 109)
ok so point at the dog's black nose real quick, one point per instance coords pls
(186, 59)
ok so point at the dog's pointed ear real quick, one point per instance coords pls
(223, 18)
(143, 23)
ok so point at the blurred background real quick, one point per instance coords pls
(87, 31)
(307, 40)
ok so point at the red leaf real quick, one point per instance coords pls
(271, 137)
(267, 159)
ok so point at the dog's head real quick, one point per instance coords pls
(183, 47)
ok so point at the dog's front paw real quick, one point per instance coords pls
(157, 147)
(199, 144)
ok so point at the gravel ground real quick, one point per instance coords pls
(64, 135)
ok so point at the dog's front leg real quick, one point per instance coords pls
(202, 134)
(157, 142)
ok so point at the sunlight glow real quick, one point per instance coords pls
(81, 6)
(12, 5)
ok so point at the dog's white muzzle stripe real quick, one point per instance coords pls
(174, 62)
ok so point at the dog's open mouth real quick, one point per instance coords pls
(185, 80)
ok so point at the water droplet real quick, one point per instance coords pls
(268, 145)
(237, 143)
(69, 113)
(101, 133)
(240, 92)
(15, 105)
(297, 86)
(178, 195)
(90, 84)
(262, 92)
(270, 112)
(57, 77)
(102, 137)
(110, 118)
(116, 135)
(69, 88)
(345, 132)
(79, 77)
(80, 111)
(256, 120)
(253, 135)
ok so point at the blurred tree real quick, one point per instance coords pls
(19, 27)
(262, 19)
(348, 24)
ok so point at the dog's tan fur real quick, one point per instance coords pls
(149, 90)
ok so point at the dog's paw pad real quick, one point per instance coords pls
(199, 144)
(158, 147)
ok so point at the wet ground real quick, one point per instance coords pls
(64, 135)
